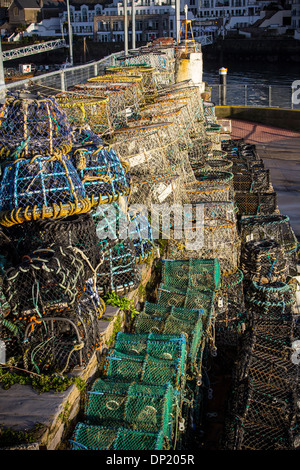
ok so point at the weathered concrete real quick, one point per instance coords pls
(280, 150)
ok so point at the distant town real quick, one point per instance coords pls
(103, 21)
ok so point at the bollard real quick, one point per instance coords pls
(222, 75)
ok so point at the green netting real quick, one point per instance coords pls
(137, 440)
(91, 437)
(197, 274)
(135, 406)
(149, 358)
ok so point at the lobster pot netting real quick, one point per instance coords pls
(147, 408)
(208, 192)
(230, 310)
(169, 296)
(45, 277)
(101, 172)
(148, 359)
(133, 85)
(77, 231)
(213, 177)
(118, 271)
(272, 227)
(119, 111)
(63, 339)
(43, 187)
(175, 320)
(216, 238)
(264, 261)
(91, 437)
(212, 165)
(83, 111)
(256, 181)
(198, 274)
(253, 204)
(32, 125)
(147, 75)
(220, 210)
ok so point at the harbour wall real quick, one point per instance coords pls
(277, 117)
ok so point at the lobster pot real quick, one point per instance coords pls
(145, 71)
(63, 341)
(118, 271)
(119, 110)
(257, 181)
(217, 238)
(196, 274)
(32, 125)
(45, 277)
(104, 176)
(92, 437)
(216, 165)
(220, 210)
(203, 192)
(208, 177)
(230, 310)
(214, 154)
(197, 153)
(141, 235)
(162, 360)
(133, 85)
(253, 204)
(77, 231)
(264, 261)
(12, 331)
(272, 227)
(271, 303)
(142, 407)
(44, 187)
(209, 112)
(86, 112)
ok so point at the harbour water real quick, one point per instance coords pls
(257, 84)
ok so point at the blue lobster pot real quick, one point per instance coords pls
(32, 124)
(39, 188)
(104, 176)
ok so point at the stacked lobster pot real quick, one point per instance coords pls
(254, 194)
(54, 177)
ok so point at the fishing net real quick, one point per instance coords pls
(212, 165)
(257, 181)
(32, 125)
(83, 111)
(104, 176)
(264, 261)
(215, 238)
(44, 278)
(272, 227)
(42, 187)
(91, 437)
(154, 180)
(140, 233)
(77, 231)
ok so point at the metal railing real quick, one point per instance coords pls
(255, 94)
